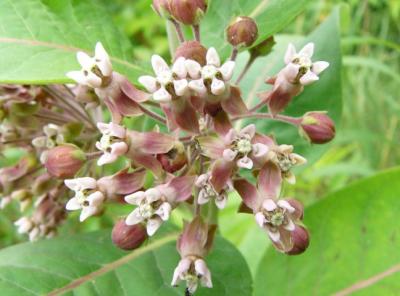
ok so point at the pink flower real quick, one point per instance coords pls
(207, 191)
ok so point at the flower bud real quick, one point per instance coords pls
(64, 161)
(242, 31)
(162, 7)
(174, 159)
(301, 240)
(192, 50)
(128, 237)
(188, 12)
(317, 127)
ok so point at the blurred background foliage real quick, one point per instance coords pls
(367, 136)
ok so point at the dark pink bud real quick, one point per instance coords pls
(301, 240)
(128, 237)
(317, 127)
(162, 7)
(188, 12)
(242, 31)
(64, 161)
(174, 160)
(192, 50)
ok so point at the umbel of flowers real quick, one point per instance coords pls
(196, 153)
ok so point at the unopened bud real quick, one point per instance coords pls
(64, 161)
(301, 240)
(162, 7)
(188, 12)
(192, 50)
(128, 237)
(242, 31)
(317, 127)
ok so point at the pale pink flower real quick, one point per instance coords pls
(112, 142)
(207, 191)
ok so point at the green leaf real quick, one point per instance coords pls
(271, 16)
(326, 94)
(39, 39)
(90, 265)
(354, 238)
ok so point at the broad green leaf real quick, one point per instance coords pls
(354, 237)
(90, 265)
(271, 16)
(39, 39)
(326, 94)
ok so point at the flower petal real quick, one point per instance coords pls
(229, 154)
(259, 150)
(179, 68)
(290, 226)
(221, 202)
(159, 65)
(103, 60)
(260, 219)
(162, 95)
(77, 76)
(245, 162)
(204, 272)
(212, 147)
(87, 212)
(96, 199)
(286, 205)
(319, 66)
(73, 204)
(307, 50)
(106, 158)
(217, 87)
(249, 131)
(198, 86)
(234, 104)
(193, 68)
(135, 198)
(134, 217)
(164, 211)
(290, 53)
(85, 61)
(227, 70)
(153, 225)
(202, 180)
(308, 78)
(220, 174)
(203, 197)
(183, 266)
(248, 192)
(270, 180)
(180, 87)
(269, 204)
(274, 235)
(149, 82)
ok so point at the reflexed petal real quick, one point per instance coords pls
(290, 72)
(269, 180)
(135, 198)
(202, 180)
(212, 57)
(217, 87)
(290, 225)
(119, 148)
(179, 188)
(221, 202)
(290, 53)
(245, 162)
(106, 158)
(320, 66)
(234, 104)
(103, 60)
(93, 80)
(212, 147)
(202, 270)
(180, 86)
(259, 150)
(229, 154)
(299, 160)
(134, 217)
(198, 86)
(183, 266)
(151, 142)
(193, 68)
(248, 192)
(149, 82)
(307, 50)
(269, 205)
(85, 61)
(116, 130)
(87, 212)
(179, 68)
(308, 78)
(260, 219)
(153, 225)
(162, 95)
(274, 236)
(77, 76)
(249, 130)
(164, 211)
(220, 174)
(96, 199)
(73, 204)
(152, 195)
(159, 65)
(286, 205)
(227, 70)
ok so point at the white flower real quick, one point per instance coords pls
(212, 76)
(241, 146)
(299, 66)
(27, 225)
(94, 69)
(192, 271)
(52, 137)
(276, 217)
(152, 209)
(112, 142)
(87, 198)
(208, 192)
(168, 82)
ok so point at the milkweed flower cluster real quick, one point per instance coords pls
(195, 153)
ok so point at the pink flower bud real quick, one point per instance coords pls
(301, 240)
(317, 127)
(192, 50)
(242, 31)
(162, 7)
(64, 161)
(128, 237)
(188, 12)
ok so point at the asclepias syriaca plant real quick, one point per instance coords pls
(196, 155)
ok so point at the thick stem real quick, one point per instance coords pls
(288, 119)
(196, 32)
(245, 69)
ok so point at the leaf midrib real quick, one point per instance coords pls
(113, 265)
